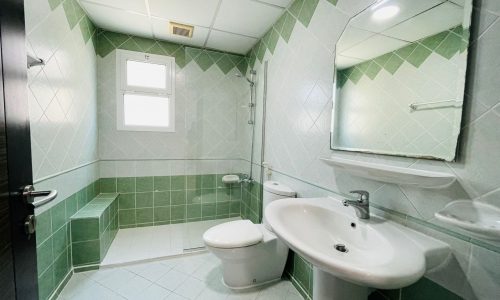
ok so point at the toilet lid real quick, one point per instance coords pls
(235, 234)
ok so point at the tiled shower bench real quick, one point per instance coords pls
(93, 228)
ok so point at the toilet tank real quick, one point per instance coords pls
(274, 190)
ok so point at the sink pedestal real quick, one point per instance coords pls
(328, 287)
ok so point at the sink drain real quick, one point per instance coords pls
(341, 248)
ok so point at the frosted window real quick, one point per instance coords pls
(148, 75)
(144, 110)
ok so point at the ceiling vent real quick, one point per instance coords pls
(181, 29)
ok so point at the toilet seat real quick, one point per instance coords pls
(235, 234)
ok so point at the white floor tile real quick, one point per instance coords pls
(172, 280)
(190, 288)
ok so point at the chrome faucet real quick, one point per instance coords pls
(361, 206)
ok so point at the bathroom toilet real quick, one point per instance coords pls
(251, 254)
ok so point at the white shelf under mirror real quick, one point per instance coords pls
(391, 174)
(479, 219)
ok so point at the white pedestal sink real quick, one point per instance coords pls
(350, 255)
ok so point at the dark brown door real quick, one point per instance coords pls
(18, 273)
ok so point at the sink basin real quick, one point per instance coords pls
(366, 253)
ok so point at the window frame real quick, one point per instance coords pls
(122, 56)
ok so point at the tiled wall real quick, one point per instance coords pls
(431, 69)
(299, 102)
(210, 117)
(251, 204)
(53, 239)
(160, 200)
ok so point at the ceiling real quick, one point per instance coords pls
(227, 25)
(366, 38)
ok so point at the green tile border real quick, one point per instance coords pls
(299, 11)
(108, 41)
(446, 44)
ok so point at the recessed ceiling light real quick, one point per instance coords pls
(385, 12)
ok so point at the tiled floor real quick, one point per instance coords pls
(145, 243)
(195, 276)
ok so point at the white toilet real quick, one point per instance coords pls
(251, 254)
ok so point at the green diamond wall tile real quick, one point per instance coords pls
(215, 55)
(261, 51)
(86, 28)
(406, 51)
(450, 46)
(180, 57)
(144, 199)
(225, 64)
(115, 38)
(373, 70)
(242, 65)
(273, 40)
(278, 26)
(296, 7)
(418, 56)
(157, 49)
(393, 64)
(73, 12)
(130, 45)
(235, 58)
(143, 43)
(434, 41)
(334, 2)
(307, 11)
(381, 60)
(54, 3)
(355, 75)
(169, 47)
(286, 32)
(192, 53)
(204, 61)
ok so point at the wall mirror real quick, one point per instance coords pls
(399, 83)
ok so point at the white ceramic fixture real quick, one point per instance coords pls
(228, 179)
(352, 255)
(392, 174)
(251, 254)
(479, 219)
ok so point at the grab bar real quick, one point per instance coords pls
(437, 104)
(30, 194)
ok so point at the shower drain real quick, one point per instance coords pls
(341, 248)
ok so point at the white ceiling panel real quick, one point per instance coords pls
(138, 6)
(408, 9)
(433, 21)
(246, 17)
(282, 3)
(351, 37)
(193, 12)
(230, 42)
(118, 20)
(373, 47)
(161, 29)
(342, 62)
